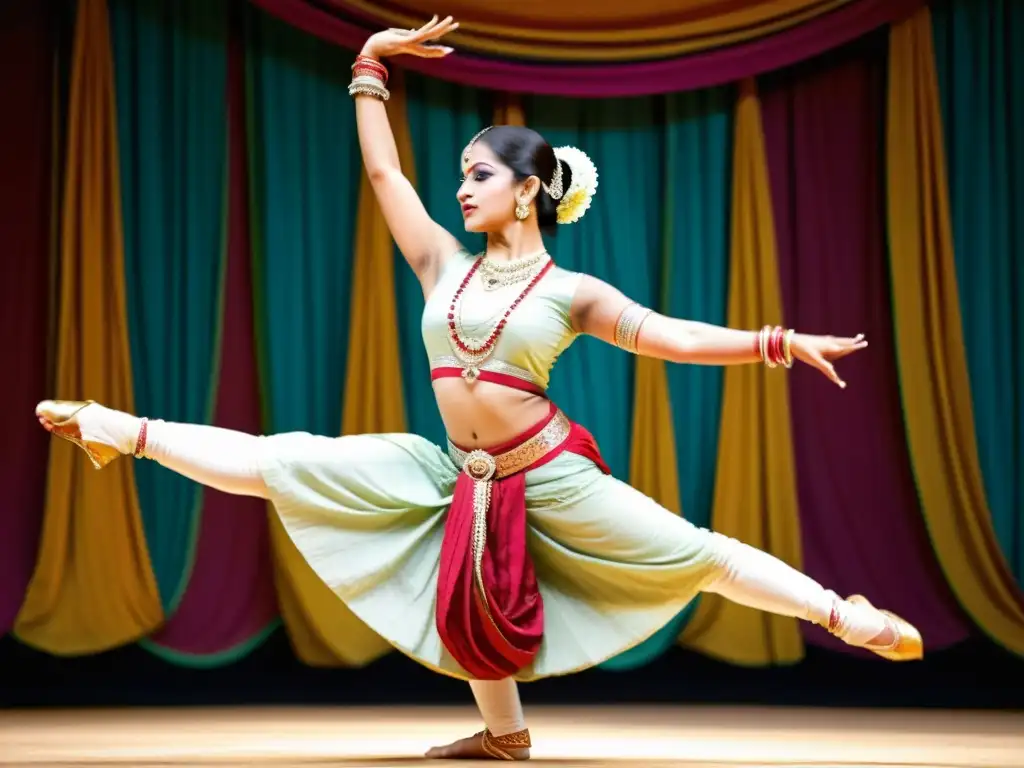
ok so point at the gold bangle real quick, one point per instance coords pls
(766, 336)
(787, 348)
(627, 327)
(368, 85)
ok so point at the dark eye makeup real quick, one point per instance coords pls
(476, 176)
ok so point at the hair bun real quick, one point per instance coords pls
(575, 200)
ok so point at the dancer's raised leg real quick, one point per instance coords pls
(751, 577)
(219, 458)
(638, 550)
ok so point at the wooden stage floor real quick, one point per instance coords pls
(570, 737)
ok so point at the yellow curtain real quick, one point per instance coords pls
(652, 460)
(755, 488)
(93, 587)
(323, 631)
(601, 30)
(933, 369)
(508, 109)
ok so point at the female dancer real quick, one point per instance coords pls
(513, 554)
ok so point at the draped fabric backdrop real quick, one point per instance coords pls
(93, 587)
(196, 240)
(213, 626)
(981, 76)
(935, 384)
(829, 219)
(755, 487)
(30, 150)
(169, 80)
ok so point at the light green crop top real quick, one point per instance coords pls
(535, 334)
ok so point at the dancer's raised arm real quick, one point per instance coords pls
(419, 237)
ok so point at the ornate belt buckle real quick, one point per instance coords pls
(480, 465)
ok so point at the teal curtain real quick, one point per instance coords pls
(694, 286)
(619, 241)
(305, 174)
(443, 117)
(170, 69)
(978, 50)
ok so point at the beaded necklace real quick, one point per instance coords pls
(472, 352)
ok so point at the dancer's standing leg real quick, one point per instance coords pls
(502, 712)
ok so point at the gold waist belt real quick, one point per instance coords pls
(481, 465)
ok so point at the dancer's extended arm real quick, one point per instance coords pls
(420, 239)
(603, 311)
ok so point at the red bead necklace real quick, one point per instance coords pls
(473, 354)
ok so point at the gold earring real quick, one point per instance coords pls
(522, 211)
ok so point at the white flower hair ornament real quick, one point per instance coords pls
(574, 201)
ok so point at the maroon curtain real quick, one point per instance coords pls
(28, 52)
(862, 528)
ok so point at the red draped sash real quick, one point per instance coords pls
(490, 615)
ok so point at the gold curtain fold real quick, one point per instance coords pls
(322, 630)
(93, 587)
(508, 109)
(755, 487)
(601, 30)
(653, 468)
(935, 385)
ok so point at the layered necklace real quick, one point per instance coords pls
(473, 351)
(497, 275)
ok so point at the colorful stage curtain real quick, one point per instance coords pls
(241, 285)
(718, 66)
(93, 587)
(169, 66)
(442, 120)
(230, 604)
(305, 181)
(28, 216)
(755, 484)
(929, 337)
(858, 537)
(600, 31)
(693, 285)
(595, 381)
(980, 74)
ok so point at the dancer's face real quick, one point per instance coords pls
(489, 192)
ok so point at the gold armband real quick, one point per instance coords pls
(627, 327)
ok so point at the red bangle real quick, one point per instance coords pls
(359, 70)
(365, 62)
(777, 336)
(140, 442)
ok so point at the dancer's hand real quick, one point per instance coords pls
(821, 351)
(415, 42)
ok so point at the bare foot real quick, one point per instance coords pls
(471, 748)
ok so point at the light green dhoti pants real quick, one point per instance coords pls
(368, 512)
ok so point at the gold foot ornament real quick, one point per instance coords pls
(908, 645)
(62, 418)
(498, 746)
